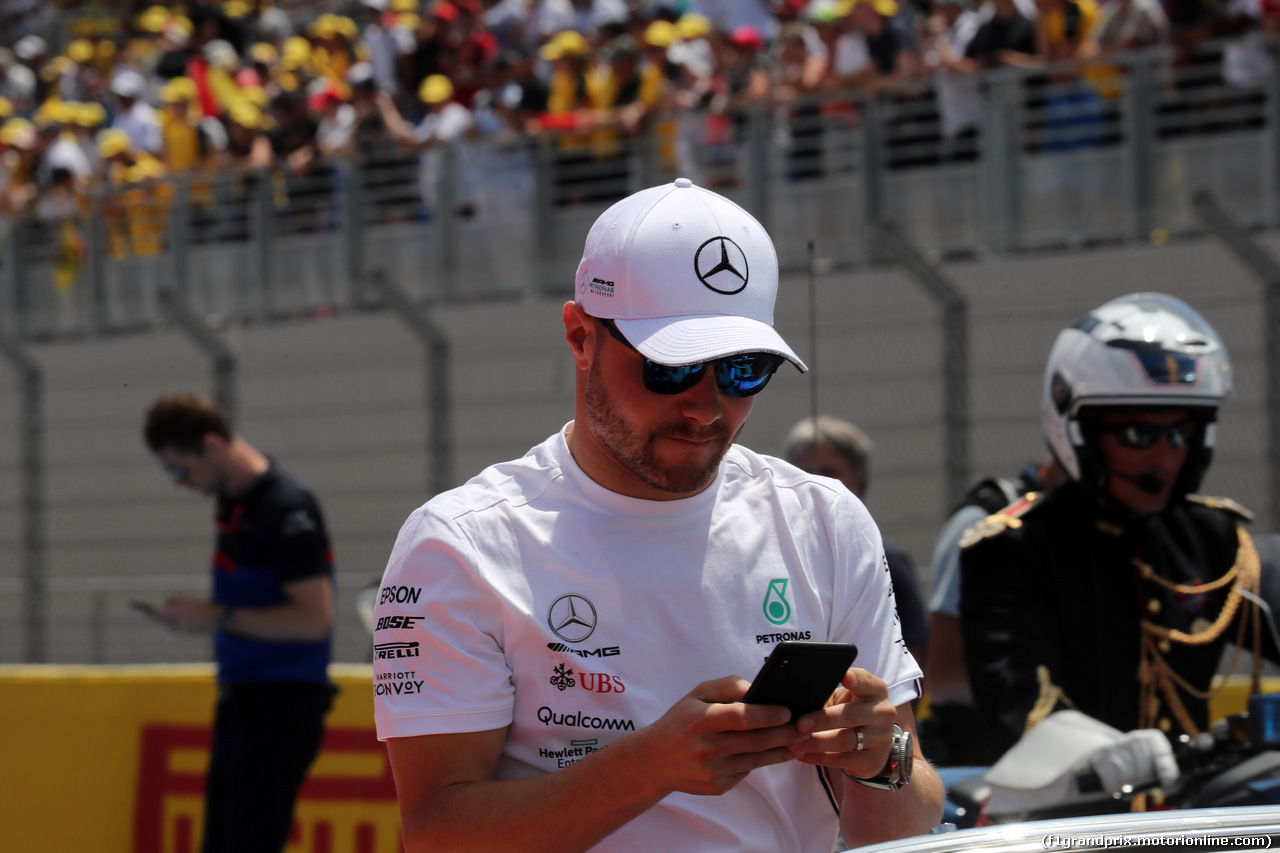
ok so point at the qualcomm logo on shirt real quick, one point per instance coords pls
(577, 719)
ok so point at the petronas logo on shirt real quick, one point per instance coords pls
(776, 608)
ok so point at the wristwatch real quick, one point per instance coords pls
(897, 772)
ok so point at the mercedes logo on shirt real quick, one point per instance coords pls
(721, 265)
(572, 618)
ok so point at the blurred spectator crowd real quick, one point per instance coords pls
(134, 93)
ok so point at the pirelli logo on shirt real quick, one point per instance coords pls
(392, 651)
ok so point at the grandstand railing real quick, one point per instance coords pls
(1055, 158)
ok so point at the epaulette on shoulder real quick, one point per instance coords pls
(1222, 503)
(1009, 518)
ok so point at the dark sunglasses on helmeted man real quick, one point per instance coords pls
(1140, 436)
(737, 375)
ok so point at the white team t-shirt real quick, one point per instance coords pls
(533, 598)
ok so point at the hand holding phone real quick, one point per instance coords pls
(800, 675)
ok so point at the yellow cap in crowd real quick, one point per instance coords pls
(436, 89)
(235, 9)
(661, 34)
(17, 131)
(179, 89)
(56, 67)
(112, 142)
(886, 8)
(566, 43)
(264, 53)
(256, 95)
(691, 25)
(89, 115)
(245, 114)
(51, 112)
(152, 19)
(80, 51)
(297, 53)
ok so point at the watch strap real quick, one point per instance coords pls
(897, 771)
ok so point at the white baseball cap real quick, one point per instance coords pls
(687, 275)
(128, 83)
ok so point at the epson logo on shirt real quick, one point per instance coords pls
(399, 594)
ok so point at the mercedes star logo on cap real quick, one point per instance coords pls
(721, 265)
(572, 618)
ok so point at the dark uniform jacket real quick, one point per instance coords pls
(1053, 600)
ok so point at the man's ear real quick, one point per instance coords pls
(580, 331)
(213, 444)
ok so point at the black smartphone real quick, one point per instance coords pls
(801, 675)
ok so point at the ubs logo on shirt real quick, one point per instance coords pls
(563, 678)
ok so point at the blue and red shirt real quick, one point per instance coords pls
(268, 537)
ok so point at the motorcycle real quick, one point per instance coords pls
(1072, 765)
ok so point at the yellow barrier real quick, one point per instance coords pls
(108, 759)
(112, 759)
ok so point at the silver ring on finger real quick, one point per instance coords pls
(861, 746)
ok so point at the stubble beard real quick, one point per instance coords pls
(636, 452)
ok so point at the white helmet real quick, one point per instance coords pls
(1141, 350)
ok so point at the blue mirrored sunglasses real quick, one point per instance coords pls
(737, 376)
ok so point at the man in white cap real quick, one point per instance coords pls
(135, 116)
(559, 643)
